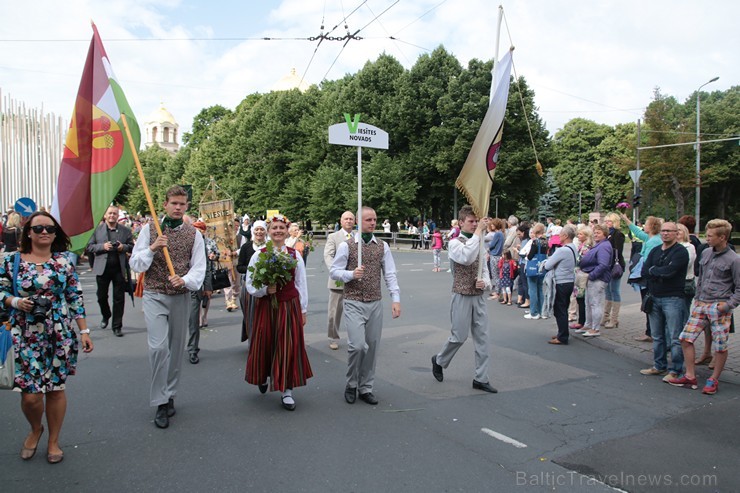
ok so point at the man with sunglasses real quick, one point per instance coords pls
(665, 271)
(111, 243)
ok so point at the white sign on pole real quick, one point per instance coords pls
(635, 174)
(354, 133)
(357, 134)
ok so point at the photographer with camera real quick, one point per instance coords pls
(41, 287)
(111, 243)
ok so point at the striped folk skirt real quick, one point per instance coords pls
(277, 349)
(247, 303)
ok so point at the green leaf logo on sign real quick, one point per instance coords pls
(352, 124)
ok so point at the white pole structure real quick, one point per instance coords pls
(359, 205)
(698, 156)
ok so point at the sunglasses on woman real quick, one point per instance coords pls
(39, 228)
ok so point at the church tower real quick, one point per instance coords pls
(162, 129)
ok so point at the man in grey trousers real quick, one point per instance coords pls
(336, 288)
(468, 309)
(363, 308)
(167, 297)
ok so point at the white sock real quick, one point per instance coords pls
(288, 396)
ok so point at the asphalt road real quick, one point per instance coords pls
(574, 418)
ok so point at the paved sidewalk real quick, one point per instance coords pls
(632, 324)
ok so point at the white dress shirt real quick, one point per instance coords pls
(142, 257)
(339, 272)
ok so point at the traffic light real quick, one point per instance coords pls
(636, 199)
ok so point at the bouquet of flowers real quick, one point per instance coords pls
(622, 206)
(272, 269)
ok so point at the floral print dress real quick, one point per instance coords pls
(45, 348)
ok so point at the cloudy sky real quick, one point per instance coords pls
(599, 60)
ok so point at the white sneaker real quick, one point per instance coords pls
(543, 317)
(529, 316)
(580, 331)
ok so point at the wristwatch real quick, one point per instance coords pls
(86, 331)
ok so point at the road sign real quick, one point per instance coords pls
(635, 174)
(357, 134)
(25, 206)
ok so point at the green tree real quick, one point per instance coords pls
(576, 147)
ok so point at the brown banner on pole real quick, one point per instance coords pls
(219, 218)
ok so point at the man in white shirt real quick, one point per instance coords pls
(469, 312)
(363, 307)
(166, 299)
(336, 288)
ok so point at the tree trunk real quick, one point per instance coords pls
(722, 199)
(678, 195)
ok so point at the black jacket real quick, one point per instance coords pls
(665, 271)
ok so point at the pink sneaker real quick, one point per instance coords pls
(710, 388)
(575, 326)
(685, 382)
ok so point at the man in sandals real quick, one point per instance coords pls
(717, 295)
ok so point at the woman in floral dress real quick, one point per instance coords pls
(46, 344)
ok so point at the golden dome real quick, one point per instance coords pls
(291, 81)
(161, 115)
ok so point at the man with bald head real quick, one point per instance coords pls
(111, 243)
(336, 288)
(665, 271)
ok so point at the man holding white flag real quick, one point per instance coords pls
(468, 309)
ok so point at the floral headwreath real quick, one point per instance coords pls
(279, 218)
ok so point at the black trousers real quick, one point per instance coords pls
(581, 310)
(560, 308)
(643, 293)
(114, 275)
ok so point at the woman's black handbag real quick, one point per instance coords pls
(220, 278)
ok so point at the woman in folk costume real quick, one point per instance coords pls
(258, 238)
(277, 349)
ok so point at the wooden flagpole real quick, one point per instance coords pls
(153, 211)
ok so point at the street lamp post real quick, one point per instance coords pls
(697, 209)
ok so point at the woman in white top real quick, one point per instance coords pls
(690, 290)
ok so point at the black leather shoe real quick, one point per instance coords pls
(262, 387)
(161, 419)
(437, 370)
(171, 408)
(486, 387)
(369, 398)
(117, 332)
(104, 324)
(287, 405)
(194, 359)
(350, 395)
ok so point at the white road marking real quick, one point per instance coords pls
(407, 264)
(416, 270)
(503, 438)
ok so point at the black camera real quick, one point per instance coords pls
(41, 307)
(115, 245)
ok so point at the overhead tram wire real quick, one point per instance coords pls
(391, 38)
(422, 15)
(354, 36)
(323, 36)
